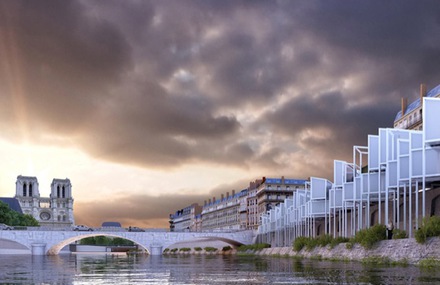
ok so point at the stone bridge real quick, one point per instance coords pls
(50, 242)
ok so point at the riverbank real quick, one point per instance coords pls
(404, 251)
(399, 250)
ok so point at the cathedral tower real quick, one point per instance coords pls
(55, 211)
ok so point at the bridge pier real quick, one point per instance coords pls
(38, 248)
(156, 249)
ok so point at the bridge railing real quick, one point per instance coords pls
(119, 229)
(101, 229)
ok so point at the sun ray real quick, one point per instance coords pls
(11, 64)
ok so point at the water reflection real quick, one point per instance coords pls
(199, 269)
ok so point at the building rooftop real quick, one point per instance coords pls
(111, 224)
(414, 105)
(13, 204)
(235, 196)
(286, 181)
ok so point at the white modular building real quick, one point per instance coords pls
(394, 179)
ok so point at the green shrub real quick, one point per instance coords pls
(185, 249)
(299, 243)
(226, 248)
(399, 234)
(311, 243)
(174, 250)
(430, 228)
(368, 237)
(198, 248)
(402, 262)
(166, 250)
(324, 240)
(260, 246)
(376, 260)
(210, 249)
(334, 242)
(420, 235)
(257, 246)
(429, 263)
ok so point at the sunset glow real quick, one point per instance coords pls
(149, 106)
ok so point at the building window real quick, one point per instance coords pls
(30, 190)
(24, 190)
(64, 192)
(58, 191)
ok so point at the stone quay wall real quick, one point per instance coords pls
(398, 250)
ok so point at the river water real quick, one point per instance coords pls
(200, 269)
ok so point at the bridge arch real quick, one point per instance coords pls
(154, 241)
(56, 248)
(7, 244)
(202, 240)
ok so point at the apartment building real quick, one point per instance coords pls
(226, 213)
(410, 116)
(252, 205)
(273, 191)
(186, 219)
(237, 211)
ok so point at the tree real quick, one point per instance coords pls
(13, 218)
(102, 240)
(28, 220)
(5, 213)
(88, 241)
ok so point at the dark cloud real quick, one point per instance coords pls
(162, 84)
(57, 62)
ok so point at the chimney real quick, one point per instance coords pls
(209, 201)
(213, 199)
(233, 192)
(205, 203)
(223, 196)
(404, 103)
(422, 92)
(227, 194)
(252, 185)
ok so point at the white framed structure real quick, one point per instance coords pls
(396, 178)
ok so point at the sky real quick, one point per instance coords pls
(149, 106)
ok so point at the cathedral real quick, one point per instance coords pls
(55, 211)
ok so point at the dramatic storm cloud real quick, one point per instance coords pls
(148, 106)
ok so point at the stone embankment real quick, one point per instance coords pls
(399, 250)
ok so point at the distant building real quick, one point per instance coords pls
(185, 219)
(226, 213)
(253, 217)
(273, 191)
(238, 211)
(55, 211)
(198, 223)
(410, 116)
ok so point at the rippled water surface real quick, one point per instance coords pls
(199, 269)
